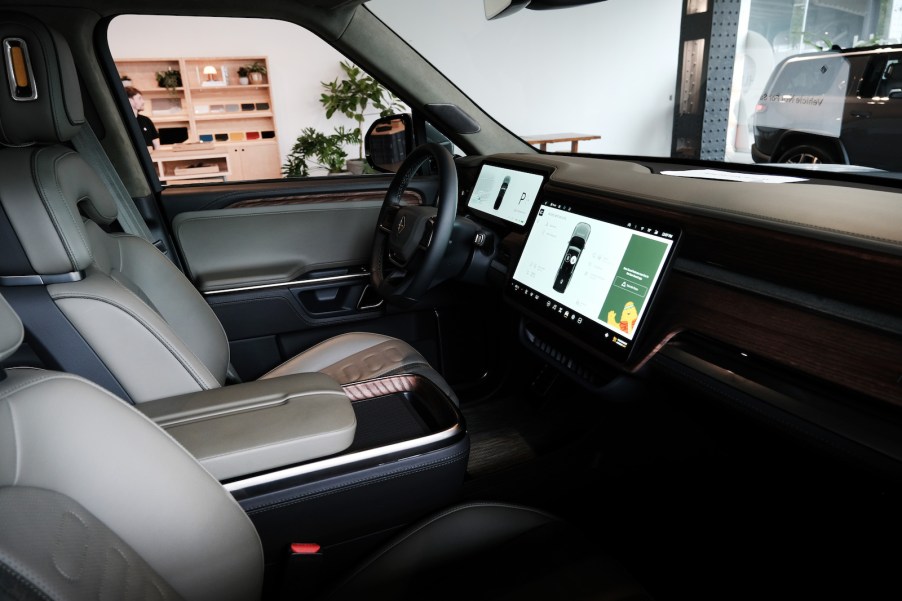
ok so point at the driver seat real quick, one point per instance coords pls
(151, 333)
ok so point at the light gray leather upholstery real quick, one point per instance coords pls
(257, 426)
(143, 318)
(88, 484)
(98, 502)
(356, 356)
(11, 332)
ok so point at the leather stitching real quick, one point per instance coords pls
(198, 377)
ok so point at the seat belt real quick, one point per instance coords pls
(87, 145)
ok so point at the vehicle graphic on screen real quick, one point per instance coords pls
(571, 257)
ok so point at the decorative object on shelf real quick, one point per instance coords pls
(242, 76)
(126, 81)
(351, 96)
(196, 168)
(169, 79)
(255, 72)
(326, 150)
(210, 75)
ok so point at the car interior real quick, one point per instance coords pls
(482, 370)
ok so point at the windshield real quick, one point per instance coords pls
(760, 81)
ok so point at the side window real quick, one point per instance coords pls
(811, 76)
(235, 99)
(890, 85)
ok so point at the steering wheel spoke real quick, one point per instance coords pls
(411, 240)
(428, 234)
(387, 217)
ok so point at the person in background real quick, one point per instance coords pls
(151, 136)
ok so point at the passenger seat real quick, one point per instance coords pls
(79, 522)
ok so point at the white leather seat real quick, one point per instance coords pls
(98, 502)
(147, 324)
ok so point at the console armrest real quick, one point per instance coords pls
(257, 426)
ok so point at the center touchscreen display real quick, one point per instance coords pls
(505, 194)
(591, 274)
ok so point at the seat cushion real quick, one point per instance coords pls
(358, 356)
(491, 551)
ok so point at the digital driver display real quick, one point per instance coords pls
(591, 274)
(505, 193)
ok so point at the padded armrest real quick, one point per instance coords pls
(257, 426)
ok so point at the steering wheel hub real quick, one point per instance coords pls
(408, 233)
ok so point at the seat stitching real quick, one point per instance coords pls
(175, 353)
(53, 215)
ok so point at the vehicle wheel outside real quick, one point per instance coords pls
(807, 154)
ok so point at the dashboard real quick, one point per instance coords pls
(785, 293)
(591, 272)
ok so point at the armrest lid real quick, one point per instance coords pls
(258, 426)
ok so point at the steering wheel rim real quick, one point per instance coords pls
(411, 240)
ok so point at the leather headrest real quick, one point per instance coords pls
(11, 330)
(40, 99)
(44, 192)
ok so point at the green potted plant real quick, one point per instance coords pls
(170, 79)
(255, 72)
(351, 96)
(242, 76)
(325, 150)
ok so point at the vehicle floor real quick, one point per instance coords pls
(696, 501)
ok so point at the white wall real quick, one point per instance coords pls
(630, 107)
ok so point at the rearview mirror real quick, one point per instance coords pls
(388, 141)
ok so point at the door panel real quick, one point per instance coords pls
(264, 245)
(285, 263)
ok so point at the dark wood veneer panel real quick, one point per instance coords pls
(834, 351)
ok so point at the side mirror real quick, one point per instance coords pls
(388, 141)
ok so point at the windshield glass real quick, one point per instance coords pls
(757, 81)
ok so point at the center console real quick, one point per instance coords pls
(315, 462)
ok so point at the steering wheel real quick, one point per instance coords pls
(410, 240)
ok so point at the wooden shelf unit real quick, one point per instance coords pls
(193, 166)
(237, 120)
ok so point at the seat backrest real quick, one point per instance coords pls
(79, 522)
(151, 331)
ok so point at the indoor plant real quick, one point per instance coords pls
(170, 79)
(326, 150)
(255, 71)
(352, 95)
(242, 76)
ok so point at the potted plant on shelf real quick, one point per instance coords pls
(255, 72)
(242, 76)
(169, 79)
(325, 150)
(351, 96)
